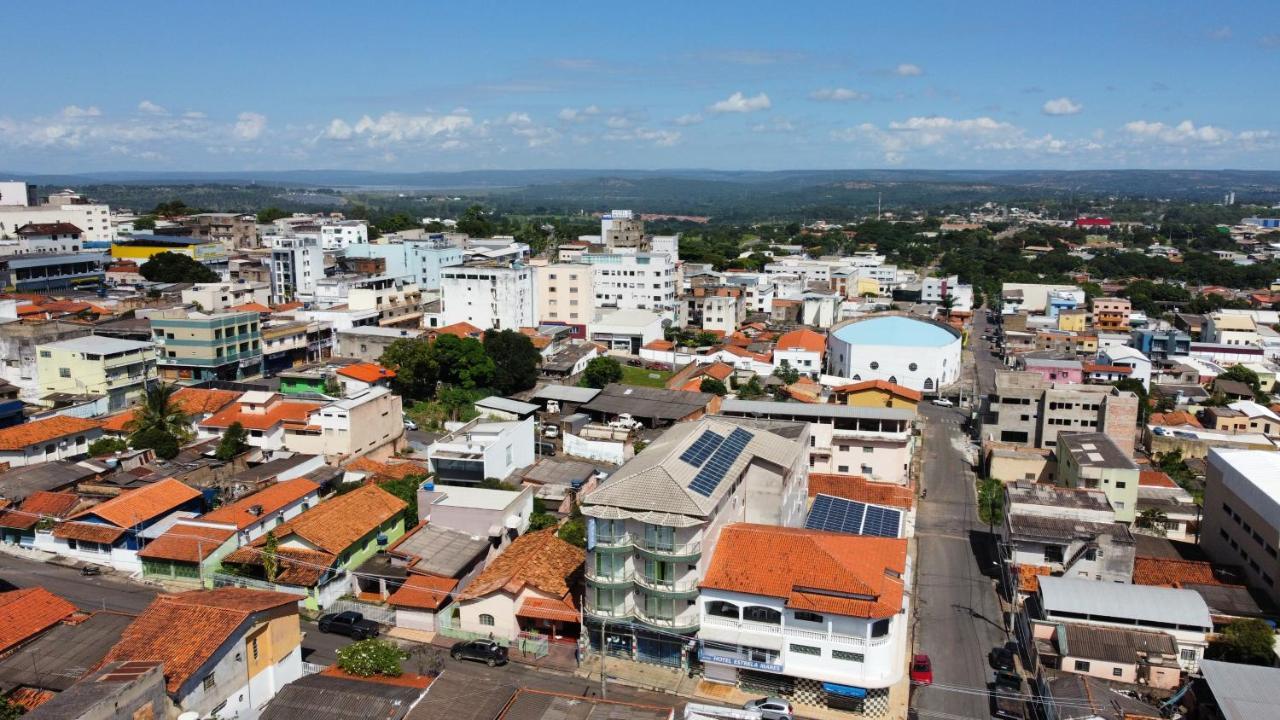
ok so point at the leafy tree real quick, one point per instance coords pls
(367, 658)
(271, 214)
(574, 531)
(159, 411)
(1155, 520)
(541, 521)
(704, 339)
(751, 390)
(144, 223)
(415, 367)
(165, 445)
(459, 402)
(474, 222)
(1240, 373)
(713, 386)
(107, 446)
(173, 208)
(601, 371)
(1249, 640)
(515, 361)
(270, 557)
(786, 373)
(170, 267)
(406, 488)
(990, 501)
(462, 362)
(10, 710)
(234, 441)
(493, 483)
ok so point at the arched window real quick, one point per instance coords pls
(857, 377)
(756, 613)
(928, 383)
(486, 619)
(720, 608)
(893, 379)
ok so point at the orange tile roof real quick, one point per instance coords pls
(1176, 417)
(410, 680)
(25, 613)
(285, 307)
(192, 401)
(187, 543)
(740, 352)
(270, 499)
(426, 592)
(89, 532)
(802, 339)
(279, 411)
(367, 372)
(718, 370)
(537, 559)
(860, 489)
(133, 507)
(658, 345)
(250, 307)
(295, 566)
(39, 503)
(388, 470)
(38, 431)
(811, 569)
(1155, 478)
(1029, 577)
(185, 631)
(1118, 369)
(883, 386)
(335, 524)
(31, 698)
(1166, 572)
(460, 329)
(538, 608)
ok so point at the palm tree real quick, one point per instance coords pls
(159, 411)
(1155, 520)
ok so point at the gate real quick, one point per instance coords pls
(377, 613)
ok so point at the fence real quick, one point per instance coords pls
(225, 580)
(377, 613)
(529, 643)
(312, 668)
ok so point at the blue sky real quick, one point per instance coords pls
(734, 85)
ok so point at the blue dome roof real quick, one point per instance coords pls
(896, 330)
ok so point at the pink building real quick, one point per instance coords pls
(1054, 370)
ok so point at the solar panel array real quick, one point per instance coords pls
(711, 474)
(701, 449)
(849, 516)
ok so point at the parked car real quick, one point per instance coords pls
(626, 422)
(1004, 657)
(770, 708)
(943, 402)
(550, 431)
(1007, 699)
(921, 670)
(351, 624)
(546, 448)
(486, 651)
(410, 425)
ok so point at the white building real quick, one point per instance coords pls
(665, 244)
(917, 354)
(1230, 329)
(17, 194)
(482, 449)
(935, 290)
(830, 610)
(1124, 356)
(639, 281)
(821, 310)
(497, 296)
(343, 234)
(626, 330)
(297, 264)
(94, 220)
(479, 512)
(217, 297)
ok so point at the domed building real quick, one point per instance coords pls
(917, 354)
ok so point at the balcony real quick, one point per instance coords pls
(668, 550)
(749, 626)
(683, 588)
(609, 580)
(616, 613)
(686, 621)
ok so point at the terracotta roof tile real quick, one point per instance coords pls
(1177, 417)
(1155, 478)
(88, 532)
(285, 307)
(187, 543)
(31, 698)
(1029, 577)
(185, 631)
(660, 345)
(548, 609)
(133, 507)
(27, 612)
(1167, 572)
(860, 489)
(388, 470)
(427, 592)
(367, 372)
(811, 569)
(538, 559)
(883, 386)
(270, 499)
(250, 307)
(335, 524)
(295, 566)
(279, 411)
(38, 431)
(194, 402)
(1118, 369)
(459, 329)
(41, 502)
(802, 339)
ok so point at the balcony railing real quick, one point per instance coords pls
(609, 579)
(661, 547)
(590, 608)
(684, 621)
(613, 540)
(685, 585)
(792, 632)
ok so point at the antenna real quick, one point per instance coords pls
(879, 199)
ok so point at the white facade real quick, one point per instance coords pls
(480, 450)
(343, 235)
(913, 353)
(216, 297)
(639, 281)
(15, 194)
(821, 311)
(665, 244)
(63, 448)
(1125, 356)
(500, 297)
(626, 330)
(94, 221)
(297, 264)
(564, 292)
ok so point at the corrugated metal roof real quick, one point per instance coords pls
(1243, 692)
(497, 402)
(566, 393)
(1137, 602)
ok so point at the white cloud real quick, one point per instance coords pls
(655, 137)
(1061, 106)
(249, 125)
(739, 103)
(1184, 133)
(1220, 33)
(193, 115)
(394, 127)
(575, 115)
(688, 119)
(150, 108)
(75, 111)
(945, 136)
(908, 70)
(338, 130)
(776, 125)
(617, 122)
(838, 95)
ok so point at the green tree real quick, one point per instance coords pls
(515, 361)
(1155, 520)
(107, 446)
(990, 501)
(1240, 373)
(165, 446)
(713, 386)
(270, 556)
(144, 223)
(462, 362)
(541, 521)
(367, 658)
(475, 223)
(271, 214)
(705, 339)
(751, 390)
(406, 488)
(234, 441)
(415, 366)
(786, 373)
(601, 371)
(574, 531)
(10, 710)
(173, 208)
(159, 423)
(1248, 640)
(170, 267)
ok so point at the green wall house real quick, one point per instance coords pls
(187, 554)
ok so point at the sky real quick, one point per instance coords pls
(752, 85)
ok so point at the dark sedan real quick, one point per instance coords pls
(485, 651)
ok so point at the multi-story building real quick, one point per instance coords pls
(500, 296)
(397, 302)
(92, 219)
(288, 344)
(119, 369)
(622, 230)
(419, 260)
(343, 234)
(44, 272)
(371, 341)
(802, 350)
(1028, 410)
(1091, 460)
(1161, 344)
(49, 238)
(565, 295)
(14, 193)
(757, 288)
(825, 612)
(654, 524)
(482, 449)
(231, 230)
(140, 247)
(1241, 524)
(18, 343)
(199, 346)
(1111, 313)
(1223, 328)
(639, 281)
(216, 297)
(715, 308)
(297, 264)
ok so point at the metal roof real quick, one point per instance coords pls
(55, 660)
(1243, 692)
(441, 550)
(644, 402)
(98, 344)
(817, 410)
(566, 393)
(321, 697)
(497, 402)
(1143, 603)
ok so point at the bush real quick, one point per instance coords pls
(106, 446)
(371, 657)
(601, 371)
(574, 532)
(164, 444)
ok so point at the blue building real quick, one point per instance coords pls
(421, 260)
(1161, 344)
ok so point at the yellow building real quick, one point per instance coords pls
(141, 247)
(878, 394)
(96, 365)
(866, 286)
(1072, 320)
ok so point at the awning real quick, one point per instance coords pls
(844, 690)
(547, 609)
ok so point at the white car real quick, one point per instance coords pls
(410, 425)
(943, 402)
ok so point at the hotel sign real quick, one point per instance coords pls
(737, 661)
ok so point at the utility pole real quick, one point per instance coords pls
(604, 650)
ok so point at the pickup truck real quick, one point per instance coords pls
(1007, 697)
(351, 624)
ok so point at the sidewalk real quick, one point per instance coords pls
(559, 657)
(645, 676)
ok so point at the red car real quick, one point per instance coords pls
(921, 670)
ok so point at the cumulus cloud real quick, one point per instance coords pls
(249, 125)
(956, 136)
(75, 111)
(1220, 33)
(908, 70)
(578, 115)
(617, 122)
(655, 137)
(1061, 106)
(150, 108)
(739, 103)
(776, 125)
(394, 127)
(838, 95)
(688, 119)
(1184, 133)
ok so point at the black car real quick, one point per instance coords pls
(1004, 657)
(1007, 697)
(351, 624)
(486, 651)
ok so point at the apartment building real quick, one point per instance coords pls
(418, 260)
(716, 308)
(231, 230)
(622, 230)
(92, 219)
(639, 281)
(343, 234)
(1111, 314)
(499, 296)
(1241, 524)
(45, 272)
(95, 365)
(286, 344)
(370, 342)
(653, 525)
(216, 297)
(397, 302)
(1025, 409)
(49, 238)
(758, 290)
(19, 357)
(1092, 460)
(297, 264)
(1222, 328)
(201, 346)
(1161, 345)
(565, 293)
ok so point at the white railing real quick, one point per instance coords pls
(681, 621)
(661, 546)
(622, 577)
(686, 585)
(792, 632)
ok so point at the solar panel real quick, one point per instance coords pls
(711, 474)
(881, 521)
(701, 449)
(848, 516)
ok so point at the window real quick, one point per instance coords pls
(720, 608)
(45, 354)
(64, 372)
(847, 656)
(254, 648)
(805, 649)
(486, 619)
(1082, 666)
(880, 628)
(868, 449)
(755, 613)
(208, 681)
(1117, 672)
(912, 367)
(808, 616)
(1187, 654)
(842, 469)
(875, 365)
(1053, 553)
